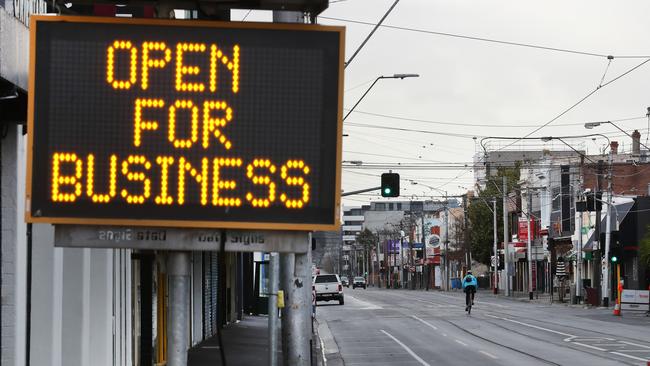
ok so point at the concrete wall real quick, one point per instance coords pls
(13, 247)
(77, 295)
(379, 220)
(14, 49)
(14, 56)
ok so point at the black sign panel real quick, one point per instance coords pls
(182, 123)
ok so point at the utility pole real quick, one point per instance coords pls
(496, 252)
(178, 269)
(468, 258)
(579, 260)
(506, 235)
(410, 277)
(274, 278)
(529, 203)
(608, 233)
(597, 267)
(296, 278)
(425, 272)
(446, 244)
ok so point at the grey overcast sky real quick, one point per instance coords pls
(471, 88)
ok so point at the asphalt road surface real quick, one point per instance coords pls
(402, 327)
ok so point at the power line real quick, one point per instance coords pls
(489, 40)
(448, 123)
(413, 130)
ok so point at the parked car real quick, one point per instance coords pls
(359, 282)
(345, 282)
(328, 287)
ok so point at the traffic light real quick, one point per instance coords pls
(613, 257)
(390, 185)
(594, 201)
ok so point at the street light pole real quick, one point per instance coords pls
(590, 125)
(395, 76)
(608, 233)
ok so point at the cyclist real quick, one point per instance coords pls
(470, 284)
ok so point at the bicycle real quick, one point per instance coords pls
(469, 299)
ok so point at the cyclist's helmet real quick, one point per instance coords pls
(469, 271)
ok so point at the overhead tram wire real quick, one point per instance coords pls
(579, 102)
(482, 39)
(450, 134)
(490, 125)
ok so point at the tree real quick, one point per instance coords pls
(367, 240)
(480, 214)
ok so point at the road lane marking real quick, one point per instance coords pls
(628, 356)
(589, 346)
(406, 348)
(489, 355)
(532, 326)
(635, 344)
(459, 342)
(477, 301)
(444, 334)
(425, 322)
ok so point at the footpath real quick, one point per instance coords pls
(245, 343)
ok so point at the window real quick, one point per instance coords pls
(390, 207)
(557, 198)
(326, 278)
(399, 206)
(380, 207)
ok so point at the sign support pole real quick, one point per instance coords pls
(296, 279)
(274, 277)
(178, 268)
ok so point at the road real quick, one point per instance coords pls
(402, 327)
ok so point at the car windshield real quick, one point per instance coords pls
(326, 278)
(344, 278)
(359, 279)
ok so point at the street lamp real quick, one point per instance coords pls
(395, 76)
(591, 125)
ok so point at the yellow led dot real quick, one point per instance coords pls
(124, 193)
(306, 170)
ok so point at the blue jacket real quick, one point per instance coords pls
(472, 281)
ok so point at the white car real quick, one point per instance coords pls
(328, 287)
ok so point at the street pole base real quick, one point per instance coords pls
(496, 291)
(530, 295)
(606, 302)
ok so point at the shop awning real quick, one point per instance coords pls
(619, 212)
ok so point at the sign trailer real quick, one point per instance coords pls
(163, 123)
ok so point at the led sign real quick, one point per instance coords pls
(179, 123)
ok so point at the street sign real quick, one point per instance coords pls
(184, 123)
(151, 238)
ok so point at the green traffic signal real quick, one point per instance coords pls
(614, 259)
(390, 185)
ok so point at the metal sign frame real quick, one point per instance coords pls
(156, 238)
